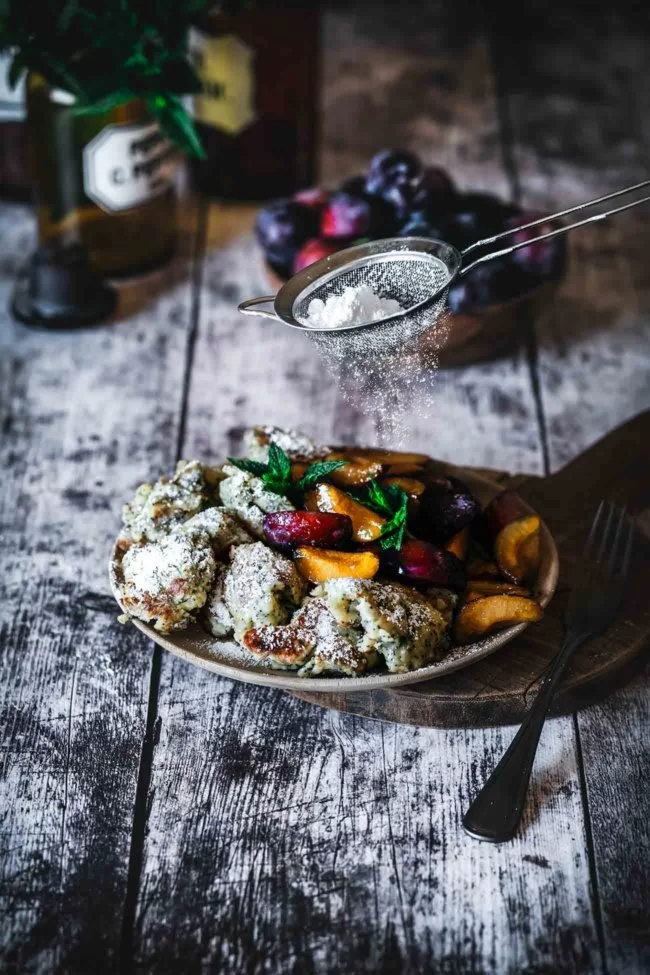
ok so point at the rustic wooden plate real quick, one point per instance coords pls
(225, 657)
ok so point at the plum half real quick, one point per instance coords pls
(422, 563)
(287, 530)
(446, 507)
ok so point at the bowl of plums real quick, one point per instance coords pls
(400, 196)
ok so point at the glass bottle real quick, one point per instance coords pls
(105, 181)
(14, 179)
(258, 112)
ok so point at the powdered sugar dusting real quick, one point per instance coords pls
(153, 567)
(354, 306)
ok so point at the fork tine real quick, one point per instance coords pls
(618, 536)
(627, 555)
(604, 539)
(586, 553)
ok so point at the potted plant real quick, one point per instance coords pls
(105, 87)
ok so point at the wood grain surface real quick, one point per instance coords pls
(580, 124)
(155, 819)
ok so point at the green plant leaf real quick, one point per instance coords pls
(317, 471)
(392, 534)
(279, 464)
(105, 104)
(250, 466)
(391, 502)
(176, 123)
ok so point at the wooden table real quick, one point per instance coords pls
(154, 818)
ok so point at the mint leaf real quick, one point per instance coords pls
(392, 534)
(391, 502)
(317, 471)
(279, 464)
(250, 466)
(277, 473)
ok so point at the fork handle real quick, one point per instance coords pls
(496, 811)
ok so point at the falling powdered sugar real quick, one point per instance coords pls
(355, 306)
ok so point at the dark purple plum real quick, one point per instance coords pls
(544, 259)
(355, 185)
(313, 198)
(475, 216)
(395, 176)
(496, 281)
(347, 216)
(423, 564)
(458, 299)
(313, 250)
(282, 228)
(435, 194)
(446, 507)
(418, 225)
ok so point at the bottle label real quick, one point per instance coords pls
(127, 164)
(225, 67)
(12, 101)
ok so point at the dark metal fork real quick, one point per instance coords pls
(596, 596)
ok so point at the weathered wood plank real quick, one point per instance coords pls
(282, 838)
(85, 417)
(580, 121)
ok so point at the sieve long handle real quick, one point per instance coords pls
(553, 233)
(248, 307)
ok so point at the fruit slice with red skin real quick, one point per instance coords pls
(357, 470)
(516, 548)
(477, 589)
(447, 506)
(289, 529)
(366, 525)
(318, 564)
(480, 617)
(409, 485)
(501, 510)
(420, 562)
(459, 543)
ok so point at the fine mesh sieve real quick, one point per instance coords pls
(414, 271)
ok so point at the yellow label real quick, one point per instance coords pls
(225, 67)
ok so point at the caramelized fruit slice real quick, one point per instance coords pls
(516, 548)
(357, 471)
(388, 457)
(288, 529)
(366, 525)
(480, 569)
(458, 544)
(477, 589)
(480, 617)
(421, 562)
(298, 469)
(404, 468)
(447, 506)
(409, 485)
(320, 564)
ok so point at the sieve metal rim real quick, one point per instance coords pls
(324, 270)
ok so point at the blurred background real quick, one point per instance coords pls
(499, 117)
